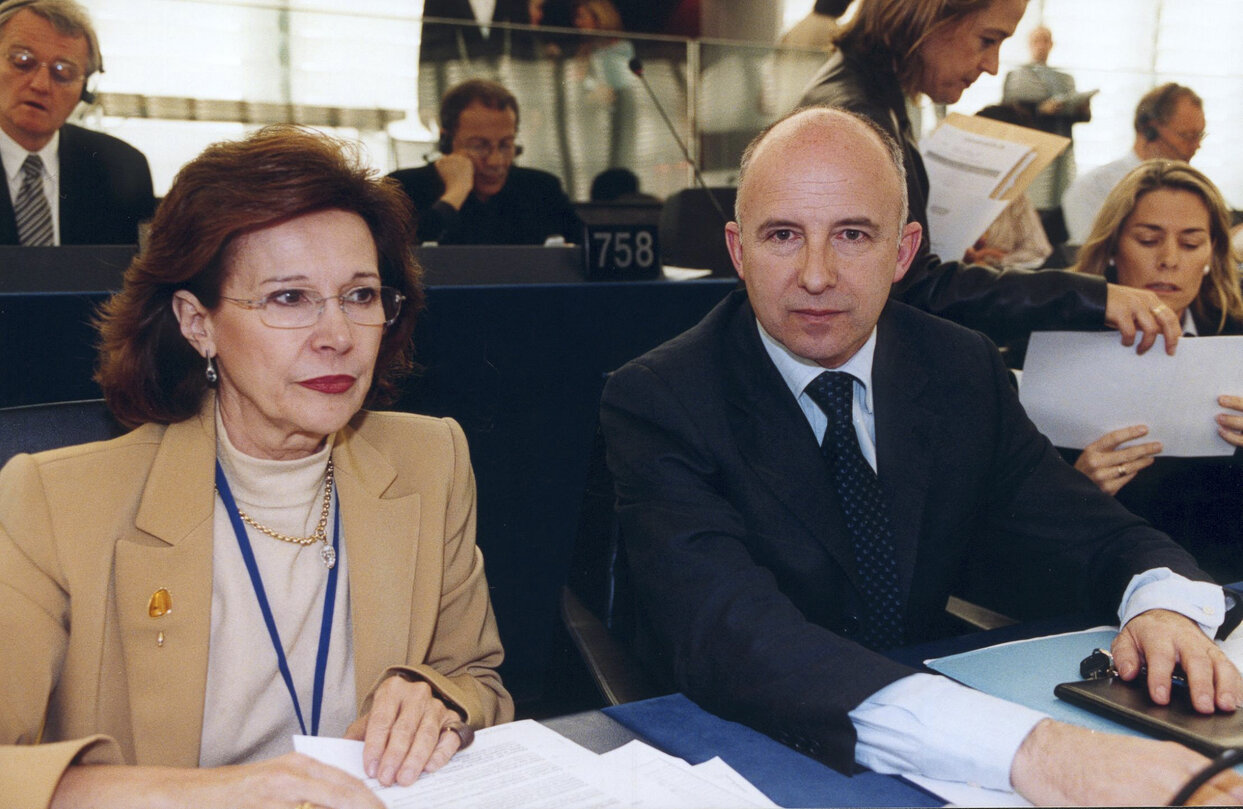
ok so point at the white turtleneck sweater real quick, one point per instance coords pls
(248, 714)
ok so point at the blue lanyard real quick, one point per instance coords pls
(325, 627)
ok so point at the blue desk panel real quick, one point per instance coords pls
(681, 728)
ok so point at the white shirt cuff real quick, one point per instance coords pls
(925, 724)
(1163, 589)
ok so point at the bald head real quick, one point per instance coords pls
(811, 126)
(1040, 41)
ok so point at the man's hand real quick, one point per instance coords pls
(1133, 311)
(458, 174)
(1161, 638)
(1050, 106)
(1061, 764)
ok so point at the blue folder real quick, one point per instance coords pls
(1027, 671)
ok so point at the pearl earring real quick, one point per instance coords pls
(210, 373)
(1208, 268)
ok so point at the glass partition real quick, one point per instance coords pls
(184, 73)
(742, 88)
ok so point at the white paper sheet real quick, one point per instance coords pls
(1077, 386)
(655, 780)
(967, 175)
(957, 221)
(967, 162)
(524, 765)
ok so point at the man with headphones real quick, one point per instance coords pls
(64, 184)
(473, 194)
(1169, 123)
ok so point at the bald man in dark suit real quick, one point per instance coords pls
(803, 477)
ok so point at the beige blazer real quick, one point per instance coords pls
(88, 533)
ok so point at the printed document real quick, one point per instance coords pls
(524, 765)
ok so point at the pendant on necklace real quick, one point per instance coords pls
(329, 555)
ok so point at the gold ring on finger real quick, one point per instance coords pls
(305, 805)
(1158, 308)
(1121, 470)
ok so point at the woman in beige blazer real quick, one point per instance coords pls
(261, 557)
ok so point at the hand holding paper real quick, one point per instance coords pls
(1079, 386)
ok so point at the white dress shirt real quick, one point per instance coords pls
(1085, 197)
(925, 724)
(13, 155)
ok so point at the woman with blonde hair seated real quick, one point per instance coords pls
(1165, 228)
(261, 556)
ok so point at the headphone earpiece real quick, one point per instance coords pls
(88, 95)
(445, 144)
(1146, 125)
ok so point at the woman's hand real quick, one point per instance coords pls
(1111, 467)
(406, 733)
(981, 253)
(1230, 425)
(1135, 312)
(278, 783)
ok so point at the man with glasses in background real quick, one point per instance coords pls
(64, 184)
(473, 193)
(1169, 123)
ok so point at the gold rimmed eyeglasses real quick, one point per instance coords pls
(299, 308)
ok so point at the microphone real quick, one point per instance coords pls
(636, 67)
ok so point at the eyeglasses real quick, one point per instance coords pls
(482, 150)
(300, 308)
(1193, 137)
(61, 71)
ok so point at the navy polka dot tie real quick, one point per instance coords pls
(865, 509)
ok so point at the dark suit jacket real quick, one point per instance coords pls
(741, 564)
(527, 210)
(105, 191)
(441, 41)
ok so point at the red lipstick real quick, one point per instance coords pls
(339, 383)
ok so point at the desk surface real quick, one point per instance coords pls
(679, 727)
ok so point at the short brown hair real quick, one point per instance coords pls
(147, 369)
(457, 98)
(1157, 107)
(898, 28)
(1219, 298)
